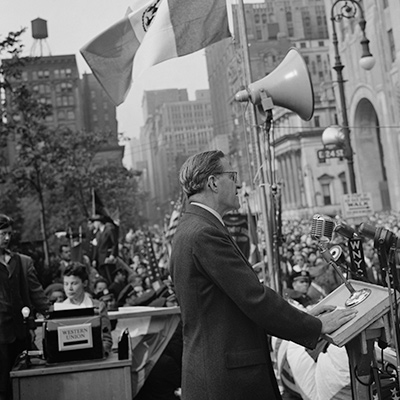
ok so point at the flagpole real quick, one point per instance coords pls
(93, 203)
(265, 206)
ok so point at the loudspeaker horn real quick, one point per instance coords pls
(288, 85)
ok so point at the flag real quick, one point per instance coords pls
(153, 32)
(98, 207)
(150, 332)
(173, 222)
(152, 266)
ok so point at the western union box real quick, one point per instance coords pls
(72, 339)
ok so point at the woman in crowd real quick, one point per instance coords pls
(75, 284)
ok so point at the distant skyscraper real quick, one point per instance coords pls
(176, 129)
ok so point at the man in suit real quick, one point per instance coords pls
(19, 288)
(106, 249)
(226, 312)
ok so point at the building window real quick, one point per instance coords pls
(257, 18)
(343, 181)
(24, 76)
(316, 121)
(94, 106)
(321, 44)
(326, 193)
(56, 74)
(34, 75)
(71, 115)
(303, 45)
(264, 18)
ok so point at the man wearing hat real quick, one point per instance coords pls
(299, 283)
(106, 249)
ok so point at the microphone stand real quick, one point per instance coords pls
(356, 296)
(385, 261)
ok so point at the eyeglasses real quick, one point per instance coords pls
(232, 175)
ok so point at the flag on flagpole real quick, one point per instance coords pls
(174, 220)
(152, 32)
(152, 267)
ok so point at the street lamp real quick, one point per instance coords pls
(348, 9)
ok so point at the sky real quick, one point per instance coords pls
(73, 23)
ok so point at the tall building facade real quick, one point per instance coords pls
(77, 104)
(272, 28)
(372, 98)
(100, 116)
(175, 130)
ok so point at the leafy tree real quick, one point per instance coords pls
(58, 167)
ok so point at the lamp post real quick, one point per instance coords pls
(348, 9)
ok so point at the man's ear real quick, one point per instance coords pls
(211, 183)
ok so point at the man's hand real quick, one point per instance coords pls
(333, 318)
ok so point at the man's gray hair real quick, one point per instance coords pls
(196, 170)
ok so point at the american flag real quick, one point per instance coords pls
(174, 220)
(152, 266)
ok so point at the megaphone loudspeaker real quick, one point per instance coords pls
(288, 85)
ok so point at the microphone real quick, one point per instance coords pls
(322, 228)
(345, 230)
(382, 237)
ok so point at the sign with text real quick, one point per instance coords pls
(324, 154)
(357, 205)
(73, 337)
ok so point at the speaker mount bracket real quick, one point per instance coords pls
(266, 101)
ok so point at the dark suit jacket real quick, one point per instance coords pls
(107, 243)
(19, 287)
(227, 314)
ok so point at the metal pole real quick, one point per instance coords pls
(266, 205)
(338, 67)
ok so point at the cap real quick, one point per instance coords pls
(295, 276)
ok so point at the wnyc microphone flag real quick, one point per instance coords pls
(153, 31)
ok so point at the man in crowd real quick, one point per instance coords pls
(226, 311)
(19, 288)
(106, 246)
(65, 259)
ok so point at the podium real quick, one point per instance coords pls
(359, 334)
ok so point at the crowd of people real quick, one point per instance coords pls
(119, 273)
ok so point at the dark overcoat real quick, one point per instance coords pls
(227, 314)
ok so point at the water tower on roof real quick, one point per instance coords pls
(39, 34)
